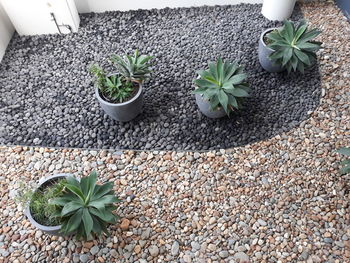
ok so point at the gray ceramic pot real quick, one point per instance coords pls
(204, 107)
(50, 230)
(125, 111)
(265, 52)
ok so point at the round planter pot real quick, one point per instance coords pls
(265, 52)
(50, 230)
(278, 9)
(125, 111)
(204, 107)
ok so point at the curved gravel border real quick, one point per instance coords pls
(48, 97)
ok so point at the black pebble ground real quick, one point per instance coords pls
(47, 94)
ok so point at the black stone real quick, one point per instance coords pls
(47, 91)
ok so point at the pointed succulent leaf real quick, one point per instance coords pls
(71, 207)
(344, 151)
(237, 92)
(101, 190)
(87, 220)
(303, 57)
(74, 221)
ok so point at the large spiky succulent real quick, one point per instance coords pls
(293, 45)
(134, 68)
(86, 208)
(223, 85)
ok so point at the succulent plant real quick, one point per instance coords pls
(134, 68)
(293, 46)
(346, 163)
(114, 88)
(85, 207)
(223, 85)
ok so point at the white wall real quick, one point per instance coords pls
(33, 17)
(85, 6)
(6, 31)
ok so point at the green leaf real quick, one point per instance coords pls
(288, 53)
(276, 55)
(213, 70)
(103, 214)
(73, 181)
(303, 57)
(214, 102)
(84, 185)
(301, 67)
(87, 220)
(309, 35)
(238, 79)
(205, 83)
(80, 232)
(92, 179)
(289, 30)
(71, 207)
(199, 90)
(230, 70)
(220, 70)
(273, 35)
(309, 46)
(344, 150)
(345, 170)
(74, 221)
(223, 99)
(233, 101)
(237, 92)
(294, 62)
(77, 191)
(60, 201)
(301, 29)
(96, 227)
(102, 190)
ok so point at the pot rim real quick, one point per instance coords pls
(97, 93)
(29, 214)
(263, 34)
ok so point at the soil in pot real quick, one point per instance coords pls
(40, 209)
(135, 90)
(266, 40)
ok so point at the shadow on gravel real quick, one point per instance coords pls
(47, 96)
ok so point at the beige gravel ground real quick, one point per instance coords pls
(280, 200)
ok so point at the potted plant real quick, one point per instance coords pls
(72, 206)
(39, 211)
(288, 48)
(121, 94)
(278, 9)
(221, 89)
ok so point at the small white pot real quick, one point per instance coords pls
(278, 9)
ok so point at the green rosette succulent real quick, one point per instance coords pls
(85, 208)
(294, 48)
(224, 85)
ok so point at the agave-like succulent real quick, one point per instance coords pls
(346, 163)
(115, 88)
(292, 45)
(223, 85)
(86, 208)
(134, 68)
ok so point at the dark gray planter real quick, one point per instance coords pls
(265, 52)
(50, 230)
(204, 107)
(345, 6)
(125, 111)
